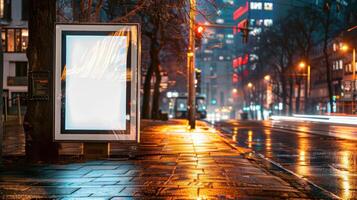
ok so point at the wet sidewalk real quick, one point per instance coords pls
(169, 163)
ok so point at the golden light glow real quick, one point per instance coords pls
(267, 77)
(344, 47)
(303, 168)
(250, 85)
(234, 90)
(345, 175)
(268, 143)
(250, 138)
(302, 65)
(200, 29)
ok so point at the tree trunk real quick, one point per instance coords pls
(291, 91)
(284, 94)
(299, 97)
(147, 84)
(327, 61)
(156, 96)
(39, 116)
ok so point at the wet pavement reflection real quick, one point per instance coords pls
(171, 162)
(329, 162)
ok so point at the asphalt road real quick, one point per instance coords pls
(328, 162)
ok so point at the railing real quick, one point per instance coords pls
(14, 101)
(17, 81)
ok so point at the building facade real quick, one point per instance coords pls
(14, 35)
(251, 18)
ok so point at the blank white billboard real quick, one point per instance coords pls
(96, 88)
(95, 82)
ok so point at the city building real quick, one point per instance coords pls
(14, 35)
(251, 18)
(214, 58)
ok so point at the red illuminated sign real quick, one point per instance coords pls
(237, 62)
(235, 78)
(241, 11)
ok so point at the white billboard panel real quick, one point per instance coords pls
(96, 87)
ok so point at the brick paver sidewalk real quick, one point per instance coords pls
(170, 163)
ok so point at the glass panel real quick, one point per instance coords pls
(10, 40)
(18, 40)
(25, 38)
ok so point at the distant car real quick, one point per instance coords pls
(180, 108)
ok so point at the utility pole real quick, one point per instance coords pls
(191, 104)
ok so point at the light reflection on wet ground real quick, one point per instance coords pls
(329, 162)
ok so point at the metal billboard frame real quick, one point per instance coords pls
(132, 133)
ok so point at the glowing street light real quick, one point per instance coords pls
(302, 65)
(234, 90)
(344, 47)
(267, 77)
(250, 85)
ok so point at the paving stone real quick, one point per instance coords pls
(170, 163)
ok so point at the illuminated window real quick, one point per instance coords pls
(220, 21)
(220, 36)
(268, 6)
(14, 39)
(3, 39)
(268, 22)
(10, 40)
(230, 36)
(259, 22)
(229, 41)
(256, 5)
(255, 31)
(18, 40)
(2, 6)
(24, 39)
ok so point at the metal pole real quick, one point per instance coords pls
(19, 108)
(353, 78)
(308, 80)
(191, 68)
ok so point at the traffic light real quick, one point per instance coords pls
(327, 5)
(199, 30)
(245, 35)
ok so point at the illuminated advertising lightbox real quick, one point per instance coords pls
(97, 82)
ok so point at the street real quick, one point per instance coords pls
(328, 162)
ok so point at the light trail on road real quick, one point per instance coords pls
(319, 118)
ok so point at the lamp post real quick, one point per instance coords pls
(302, 65)
(191, 107)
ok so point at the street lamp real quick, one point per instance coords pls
(234, 90)
(302, 65)
(267, 77)
(345, 48)
(250, 85)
